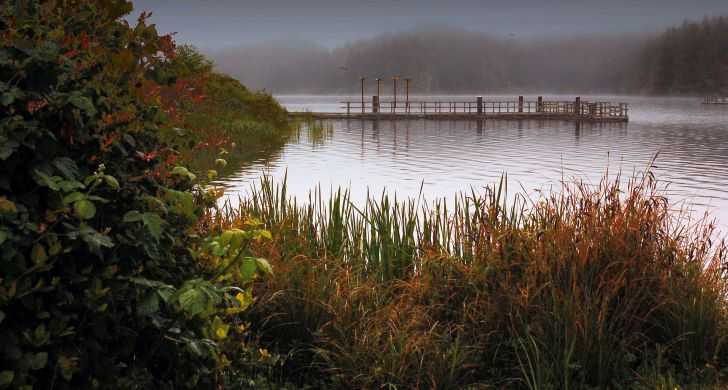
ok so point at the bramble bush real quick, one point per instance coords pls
(105, 281)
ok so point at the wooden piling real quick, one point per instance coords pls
(520, 104)
(577, 106)
(375, 103)
(362, 94)
(539, 104)
(480, 105)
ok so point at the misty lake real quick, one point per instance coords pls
(444, 157)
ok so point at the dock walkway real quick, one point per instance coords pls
(477, 109)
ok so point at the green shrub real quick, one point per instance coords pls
(102, 283)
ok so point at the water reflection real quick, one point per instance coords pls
(448, 156)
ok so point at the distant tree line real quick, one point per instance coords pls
(689, 59)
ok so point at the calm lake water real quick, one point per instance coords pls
(445, 157)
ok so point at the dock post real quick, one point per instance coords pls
(406, 96)
(539, 106)
(362, 94)
(520, 104)
(348, 108)
(577, 106)
(394, 104)
(375, 103)
(480, 105)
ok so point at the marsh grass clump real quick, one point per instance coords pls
(591, 287)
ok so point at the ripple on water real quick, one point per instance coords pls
(450, 156)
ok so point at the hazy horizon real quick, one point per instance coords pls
(229, 23)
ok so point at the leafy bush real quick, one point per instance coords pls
(103, 280)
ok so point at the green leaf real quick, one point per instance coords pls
(94, 239)
(67, 167)
(6, 378)
(111, 182)
(180, 202)
(7, 98)
(47, 181)
(264, 266)
(84, 209)
(82, 102)
(183, 172)
(73, 197)
(132, 216)
(149, 305)
(153, 222)
(248, 267)
(7, 147)
(38, 360)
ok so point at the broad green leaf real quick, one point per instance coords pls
(180, 202)
(7, 98)
(6, 378)
(38, 360)
(7, 147)
(38, 254)
(264, 266)
(149, 305)
(150, 283)
(132, 216)
(94, 239)
(111, 182)
(183, 172)
(70, 185)
(82, 102)
(153, 222)
(84, 209)
(248, 267)
(67, 167)
(47, 181)
(73, 197)
(193, 302)
(220, 162)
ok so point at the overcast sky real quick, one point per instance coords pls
(212, 24)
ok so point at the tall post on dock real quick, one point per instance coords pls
(375, 103)
(480, 105)
(378, 89)
(394, 104)
(577, 106)
(362, 95)
(520, 104)
(406, 96)
(539, 106)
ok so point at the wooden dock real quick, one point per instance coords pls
(477, 109)
(715, 100)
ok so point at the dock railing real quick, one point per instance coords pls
(540, 107)
(716, 100)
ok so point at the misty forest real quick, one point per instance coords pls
(688, 59)
(221, 194)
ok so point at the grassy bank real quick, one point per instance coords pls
(215, 116)
(587, 288)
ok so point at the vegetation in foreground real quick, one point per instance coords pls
(105, 279)
(600, 287)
